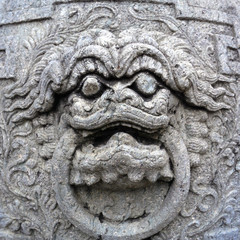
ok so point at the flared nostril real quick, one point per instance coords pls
(126, 96)
(110, 96)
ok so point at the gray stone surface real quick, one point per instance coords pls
(119, 120)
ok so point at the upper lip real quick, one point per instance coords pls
(122, 113)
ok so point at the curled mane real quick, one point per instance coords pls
(53, 70)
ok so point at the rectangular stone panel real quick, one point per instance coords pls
(23, 11)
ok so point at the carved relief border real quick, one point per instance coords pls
(223, 42)
(7, 70)
(185, 11)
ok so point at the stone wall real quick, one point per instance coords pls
(119, 119)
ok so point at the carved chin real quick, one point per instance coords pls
(124, 164)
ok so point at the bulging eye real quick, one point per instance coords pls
(91, 86)
(146, 84)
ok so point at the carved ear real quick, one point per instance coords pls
(50, 82)
(53, 73)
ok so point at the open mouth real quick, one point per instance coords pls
(101, 136)
(120, 156)
(128, 207)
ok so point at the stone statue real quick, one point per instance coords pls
(119, 127)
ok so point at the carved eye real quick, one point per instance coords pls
(146, 84)
(91, 86)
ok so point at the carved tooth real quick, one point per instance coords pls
(109, 177)
(126, 125)
(87, 148)
(91, 179)
(136, 175)
(123, 138)
(75, 178)
(78, 155)
(166, 173)
(152, 176)
(131, 126)
(86, 133)
(104, 128)
(122, 169)
(138, 128)
(111, 125)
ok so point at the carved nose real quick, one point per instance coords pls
(125, 96)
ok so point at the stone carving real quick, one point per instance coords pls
(118, 134)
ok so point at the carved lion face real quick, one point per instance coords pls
(121, 163)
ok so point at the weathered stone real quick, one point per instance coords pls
(119, 120)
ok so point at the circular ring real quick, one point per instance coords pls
(145, 227)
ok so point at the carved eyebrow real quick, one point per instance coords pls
(132, 51)
(136, 57)
(93, 51)
(83, 67)
(146, 63)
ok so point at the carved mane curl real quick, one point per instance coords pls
(52, 70)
